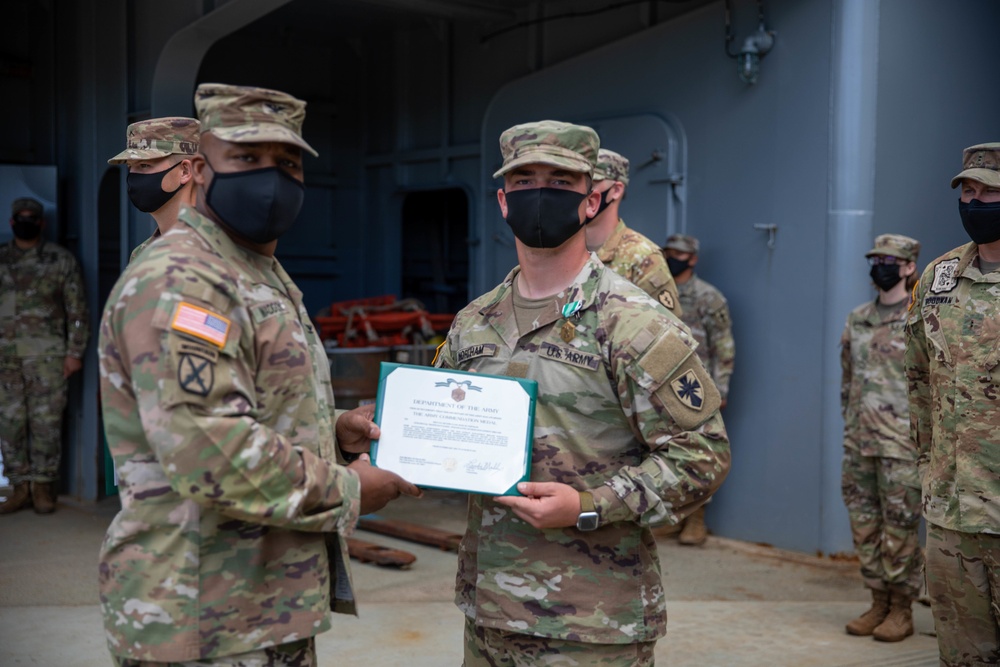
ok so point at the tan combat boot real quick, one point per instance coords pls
(898, 625)
(19, 498)
(43, 495)
(865, 624)
(694, 532)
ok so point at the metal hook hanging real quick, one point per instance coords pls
(772, 232)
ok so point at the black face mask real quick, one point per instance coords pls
(145, 191)
(259, 205)
(27, 228)
(981, 220)
(677, 266)
(885, 276)
(544, 217)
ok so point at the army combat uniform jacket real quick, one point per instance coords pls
(219, 414)
(639, 261)
(873, 385)
(625, 410)
(43, 308)
(706, 312)
(953, 369)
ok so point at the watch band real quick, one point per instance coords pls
(588, 519)
(587, 502)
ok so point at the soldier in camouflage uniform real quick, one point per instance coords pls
(219, 413)
(160, 181)
(629, 254)
(627, 430)
(706, 313)
(43, 336)
(879, 475)
(953, 369)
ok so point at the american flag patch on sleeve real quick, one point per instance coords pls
(191, 319)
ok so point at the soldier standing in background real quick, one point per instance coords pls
(43, 336)
(706, 312)
(627, 430)
(953, 368)
(160, 181)
(627, 252)
(218, 410)
(879, 477)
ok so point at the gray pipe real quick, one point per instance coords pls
(849, 231)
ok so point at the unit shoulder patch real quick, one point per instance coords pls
(944, 276)
(689, 390)
(195, 374)
(666, 299)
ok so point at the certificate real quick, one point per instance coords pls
(454, 430)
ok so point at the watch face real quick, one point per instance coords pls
(587, 521)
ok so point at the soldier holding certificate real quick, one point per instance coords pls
(627, 429)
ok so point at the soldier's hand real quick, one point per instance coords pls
(356, 430)
(71, 365)
(379, 486)
(545, 504)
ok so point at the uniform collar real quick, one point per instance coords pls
(607, 251)
(220, 241)
(577, 298)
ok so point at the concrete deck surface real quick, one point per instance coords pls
(729, 603)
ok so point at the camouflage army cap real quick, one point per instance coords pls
(980, 163)
(896, 245)
(159, 137)
(611, 165)
(244, 114)
(26, 204)
(551, 142)
(682, 243)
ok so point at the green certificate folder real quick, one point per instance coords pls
(455, 430)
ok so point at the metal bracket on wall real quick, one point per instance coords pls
(772, 232)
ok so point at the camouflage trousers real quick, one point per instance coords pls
(883, 501)
(488, 647)
(33, 392)
(963, 580)
(294, 654)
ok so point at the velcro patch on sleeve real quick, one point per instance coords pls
(690, 396)
(200, 323)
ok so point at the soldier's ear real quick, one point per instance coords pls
(187, 171)
(198, 165)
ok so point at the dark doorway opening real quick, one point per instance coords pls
(435, 251)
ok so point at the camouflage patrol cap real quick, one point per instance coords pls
(980, 163)
(550, 142)
(896, 245)
(244, 114)
(611, 165)
(26, 204)
(682, 243)
(159, 137)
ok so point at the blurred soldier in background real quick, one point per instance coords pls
(880, 484)
(627, 252)
(158, 155)
(706, 312)
(43, 336)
